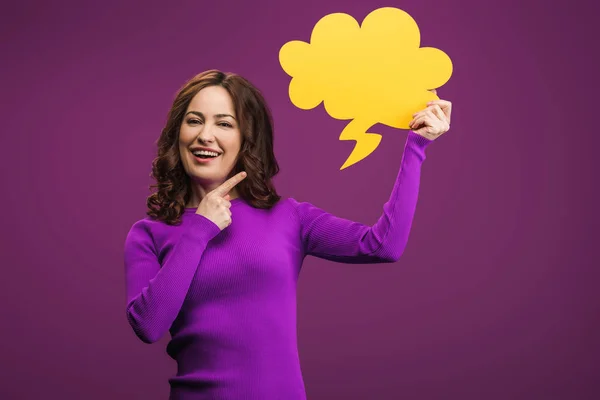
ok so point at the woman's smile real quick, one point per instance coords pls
(205, 159)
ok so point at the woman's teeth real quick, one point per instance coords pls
(205, 154)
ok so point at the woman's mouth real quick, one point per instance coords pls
(204, 157)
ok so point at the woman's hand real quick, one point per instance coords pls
(434, 120)
(215, 205)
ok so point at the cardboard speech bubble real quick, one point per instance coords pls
(370, 73)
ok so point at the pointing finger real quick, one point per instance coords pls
(229, 184)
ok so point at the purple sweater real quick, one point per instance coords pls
(228, 298)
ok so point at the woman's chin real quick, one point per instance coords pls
(207, 178)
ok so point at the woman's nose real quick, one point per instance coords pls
(206, 134)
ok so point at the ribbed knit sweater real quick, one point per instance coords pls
(228, 298)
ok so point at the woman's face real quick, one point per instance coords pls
(210, 122)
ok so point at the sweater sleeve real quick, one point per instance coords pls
(156, 293)
(336, 239)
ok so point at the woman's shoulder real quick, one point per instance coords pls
(150, 226)
(294, 204)
(152, 233)
(302, 209)
(141, 228)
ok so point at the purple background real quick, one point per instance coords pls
(496, 295)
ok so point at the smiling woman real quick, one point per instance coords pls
(225, 114)
(223, 281)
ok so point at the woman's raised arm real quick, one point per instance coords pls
(337, 239)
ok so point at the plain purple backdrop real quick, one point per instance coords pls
(496, 294)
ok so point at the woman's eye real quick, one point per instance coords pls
(227, 124)
(193, 121)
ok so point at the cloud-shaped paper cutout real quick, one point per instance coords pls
(374, 73)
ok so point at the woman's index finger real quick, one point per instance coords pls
(229, 184)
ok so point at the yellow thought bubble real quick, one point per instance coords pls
(369, 74)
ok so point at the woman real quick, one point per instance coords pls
(217, 259)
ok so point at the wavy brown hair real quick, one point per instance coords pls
(256, 155)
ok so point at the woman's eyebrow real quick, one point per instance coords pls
(224, 115)
(198, 113)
